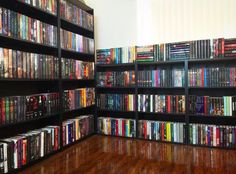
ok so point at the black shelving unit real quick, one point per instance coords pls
(186, 117)
(17, 87)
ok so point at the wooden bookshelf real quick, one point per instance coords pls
(186, 90)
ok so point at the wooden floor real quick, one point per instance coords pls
(110, 155)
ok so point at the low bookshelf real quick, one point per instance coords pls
(184, 92)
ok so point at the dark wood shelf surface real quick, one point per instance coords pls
(116, 87)
(212, 60)
(77, 55)
(27, 80)
(26, 45)
(79, 109)
(77, 80)
(160, 113)
(160, 62)
(206, 88)
(212, 116)
(116, 65)
(143, 87)
(70, 26)
(160, 117)
(28, 121)
(118, 111)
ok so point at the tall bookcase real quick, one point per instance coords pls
(17, 87)
(186, 90)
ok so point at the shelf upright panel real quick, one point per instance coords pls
(95, 81)
(186, 102)
(136, 99)
(60, 71)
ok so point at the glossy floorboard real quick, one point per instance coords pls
(110, 155)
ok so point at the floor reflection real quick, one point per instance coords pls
(102, 154)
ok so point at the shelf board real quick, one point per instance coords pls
(170, 62)
(157, 114)
(117, 116)
(161, 117)
(27, 121)
(160, 62)
(77, 80)
(115, 65)
(191, 61)
(69, 26)
(77, 55)
(79, 109)
(78, 112)
(116, 111)
(213, 116)
(143, 87)
(224, 59)
(213, 120)
(205, 88)
(115, 87)
(72, 83)
(28, 80)
(27, 41)
(25, 45)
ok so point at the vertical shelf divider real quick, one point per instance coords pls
(136, 99)
(60, 70)
(95, 79)
(186, 102)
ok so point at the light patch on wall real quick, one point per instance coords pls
(178, 20)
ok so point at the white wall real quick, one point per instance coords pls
(141, 22)
(115, 22)
(180, 20)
